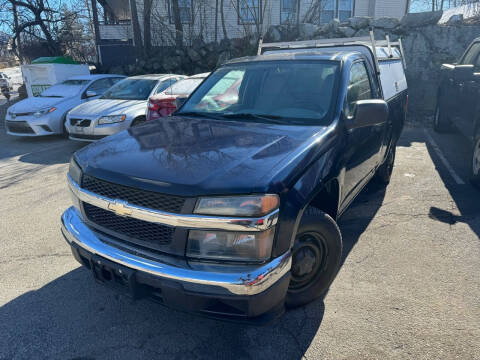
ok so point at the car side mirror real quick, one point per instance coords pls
(90, 94)
(368, 113)
(463, 72)
(179, 101)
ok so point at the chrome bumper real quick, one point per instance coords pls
(234, 279)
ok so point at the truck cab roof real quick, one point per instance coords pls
(300, 54)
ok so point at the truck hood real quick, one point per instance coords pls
(33, 104)
(192, 157)
(102, 107)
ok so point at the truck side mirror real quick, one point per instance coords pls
(368, 113)
(463, 72)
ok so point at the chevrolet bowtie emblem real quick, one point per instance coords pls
(119, 207)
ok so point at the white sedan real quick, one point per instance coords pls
(122, 106)
(45, 114)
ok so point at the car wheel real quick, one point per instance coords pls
(384, 172)
(475, 176)
(316, 257)
(138, 121)
(441, 123)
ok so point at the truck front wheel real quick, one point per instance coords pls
(316, 257)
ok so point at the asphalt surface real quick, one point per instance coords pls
(409, 286)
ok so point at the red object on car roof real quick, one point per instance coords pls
(164, 104)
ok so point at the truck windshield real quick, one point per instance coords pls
(130, 89)
(271, 91)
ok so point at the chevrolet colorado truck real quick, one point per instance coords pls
(229, 207)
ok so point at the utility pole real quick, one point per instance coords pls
(96, 29)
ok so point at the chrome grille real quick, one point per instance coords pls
(80, 122)
(148, 199)
(150, 233)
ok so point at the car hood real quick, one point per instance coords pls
(101, 107)
(192, 157)
(33, 104)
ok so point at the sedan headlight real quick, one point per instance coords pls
(111, 119)
(44, 111)
(222, 245)
(250, 205)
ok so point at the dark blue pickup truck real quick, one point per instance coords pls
(229, 207)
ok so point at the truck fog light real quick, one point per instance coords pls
(234, 246)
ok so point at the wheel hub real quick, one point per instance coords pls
(304, 262)
(307, 260)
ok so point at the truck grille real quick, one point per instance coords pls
(150, 233)
(148, 199)
(19, 127)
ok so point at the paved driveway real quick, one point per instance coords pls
(409, 287)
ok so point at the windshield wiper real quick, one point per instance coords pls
(200, 114)
(274, 119)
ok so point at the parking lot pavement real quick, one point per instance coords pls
(409, 286)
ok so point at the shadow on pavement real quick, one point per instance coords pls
(466, 198)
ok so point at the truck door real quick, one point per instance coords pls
(465, 92)
(363, 144)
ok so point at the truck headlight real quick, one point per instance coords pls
(250, 205)
(74, 171)
(111, 119)
(44, 111)
(233, 246)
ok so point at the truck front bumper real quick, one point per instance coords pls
(252, 293)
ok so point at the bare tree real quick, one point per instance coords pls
(137, 36)
(147, 31)
(178, 24)
(222, 16)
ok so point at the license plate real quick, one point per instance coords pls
(79, 129)
(115, 275)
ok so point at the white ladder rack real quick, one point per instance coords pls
(366, 41)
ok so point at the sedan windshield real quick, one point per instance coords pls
(130, 89)
(269, 91)
(65, 89)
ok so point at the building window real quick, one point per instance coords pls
(288, 11)
(249, 11)
(185, 10)
(335, 9)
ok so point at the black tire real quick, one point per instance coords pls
(384, 172)
(441, 123)
(138, 121)
(475, 170)
(316, 257)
